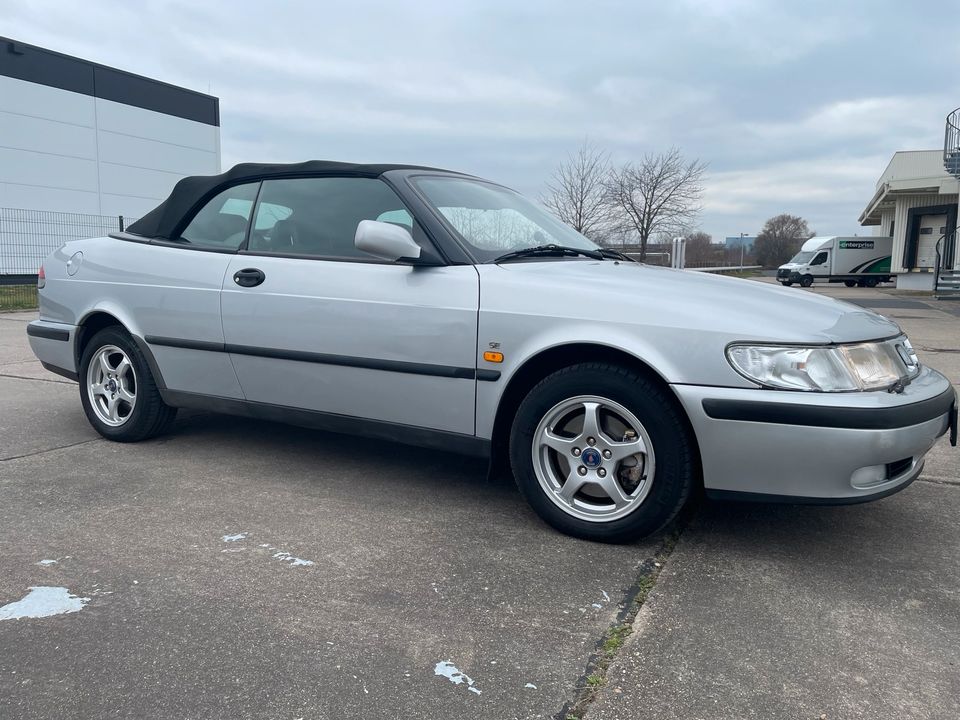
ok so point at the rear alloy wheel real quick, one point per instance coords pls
(806, 281)
(601, 452)
(117, 389)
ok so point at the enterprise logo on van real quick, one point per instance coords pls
(856, 244)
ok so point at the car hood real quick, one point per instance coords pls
(637, 294)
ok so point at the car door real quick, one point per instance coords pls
(171, 289)
(313, 323)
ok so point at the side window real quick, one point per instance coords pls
(222, 222)
(820, 259)
(319, 216)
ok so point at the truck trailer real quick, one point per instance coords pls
(863, 261)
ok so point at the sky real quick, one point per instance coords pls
(794, 106)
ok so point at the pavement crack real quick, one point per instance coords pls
(609, 645)
(939, 481)
(47, 450)
(24, 377)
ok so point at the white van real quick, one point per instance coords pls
(863, 261)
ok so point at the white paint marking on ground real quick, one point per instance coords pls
(289, 558)
(235, 538)
(450, 671)
(44, 563)
(531, 686)
(43, 602)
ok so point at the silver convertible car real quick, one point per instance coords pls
(429, 307)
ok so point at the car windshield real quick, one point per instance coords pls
(493, 220)
(802, 257)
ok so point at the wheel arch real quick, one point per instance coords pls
(99, 319)
(549, 360)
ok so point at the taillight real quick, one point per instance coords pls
(41, 278)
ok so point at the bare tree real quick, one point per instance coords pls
(780, 239)
(659, 195)
(576, 192)
(700, 250)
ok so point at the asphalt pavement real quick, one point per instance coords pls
(238, 569)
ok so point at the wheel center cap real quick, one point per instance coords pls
(112, 385)
(591, 458)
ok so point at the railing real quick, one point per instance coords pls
(946, 250)
(28, 236)
(951, 144)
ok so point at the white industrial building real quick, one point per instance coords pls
(78, 137)
(916, 203)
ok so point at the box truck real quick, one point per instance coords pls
(863, 261)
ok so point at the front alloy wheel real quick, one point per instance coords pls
(593, 458)
(603, 452)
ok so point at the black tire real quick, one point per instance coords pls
(149, 415)
(676, 470)
(806, 281)
(871, 282)
(850, 283)
(786, 283)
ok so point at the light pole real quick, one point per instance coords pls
(742, 236)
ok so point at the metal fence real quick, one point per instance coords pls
(28, 236)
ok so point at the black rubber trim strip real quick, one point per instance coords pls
(738, 496)
(398, 366)
(48, 333)
(185, 344)
(831, 417)
(62, 372)
(332, 422)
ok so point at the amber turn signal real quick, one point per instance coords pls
(493, 356)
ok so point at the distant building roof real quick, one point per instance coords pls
(909, 172)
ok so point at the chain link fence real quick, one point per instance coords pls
(27, 237)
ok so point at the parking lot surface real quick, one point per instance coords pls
(238, 569)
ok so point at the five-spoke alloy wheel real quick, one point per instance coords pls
(593, 458)
(603, 452)
(112, 385)
(118, 391)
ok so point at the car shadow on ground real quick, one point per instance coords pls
(320, 446)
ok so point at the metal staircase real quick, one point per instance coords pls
(947, 272)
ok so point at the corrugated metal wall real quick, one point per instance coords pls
(883, 229)
(904, 204)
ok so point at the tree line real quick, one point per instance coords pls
(651, 201)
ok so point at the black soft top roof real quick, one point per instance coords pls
(164, 221)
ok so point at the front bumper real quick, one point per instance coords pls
(817, 447)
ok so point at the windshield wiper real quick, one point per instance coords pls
(615, 255)
(548, 250)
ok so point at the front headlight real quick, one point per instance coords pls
(835, 368)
